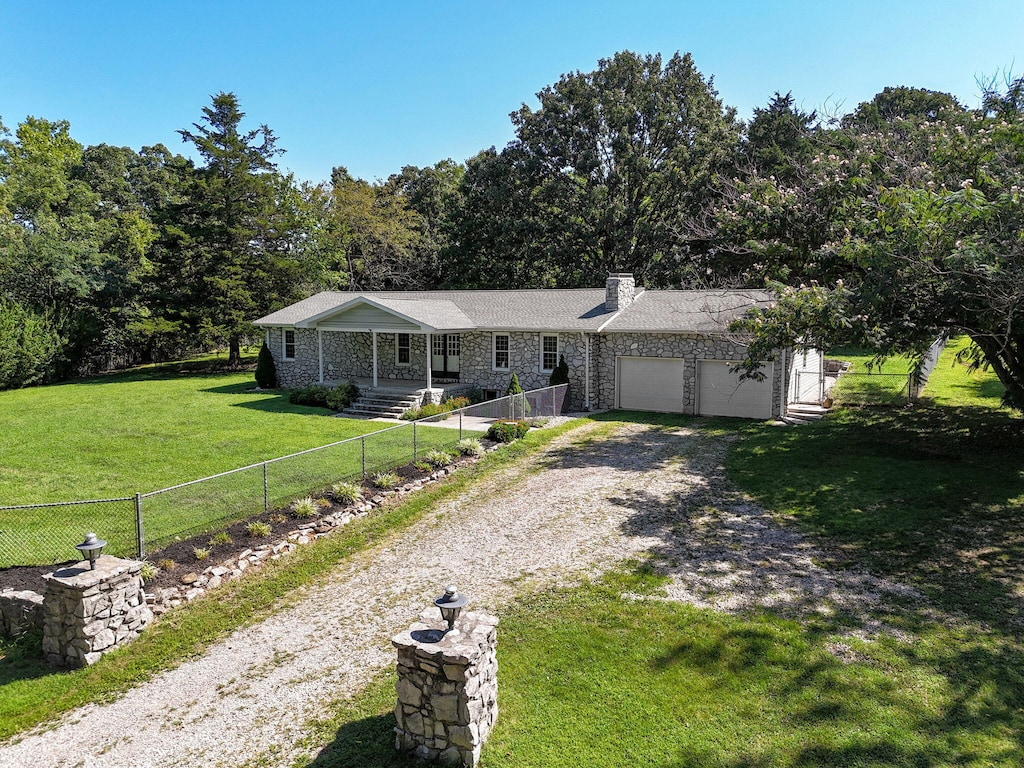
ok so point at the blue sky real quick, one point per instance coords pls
(374, 86)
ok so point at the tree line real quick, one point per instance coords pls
(885, 227)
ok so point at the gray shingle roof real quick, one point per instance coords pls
(541, 309)
(684, 311)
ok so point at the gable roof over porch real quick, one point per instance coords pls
(363, 313)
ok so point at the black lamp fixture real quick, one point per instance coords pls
(90, 548)
(451, 604)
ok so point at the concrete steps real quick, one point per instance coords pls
(379, 403)
(804, 413)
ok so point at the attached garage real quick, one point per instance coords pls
(721, 393)
(650, 384)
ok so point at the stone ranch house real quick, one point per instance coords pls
(626, 347)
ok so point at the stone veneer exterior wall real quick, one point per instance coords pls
(348, 355)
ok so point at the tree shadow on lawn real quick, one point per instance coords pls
(267, 400)
(908, 522)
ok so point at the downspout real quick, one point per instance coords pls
(266, 337)
(320, 351)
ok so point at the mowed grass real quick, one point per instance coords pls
(136, 432)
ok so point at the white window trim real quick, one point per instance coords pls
(397, 362)
(284, 343)
(541, 363)
(494, 351)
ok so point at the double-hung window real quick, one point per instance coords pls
(288, 342)
(403, 349)
(501, 347)
(548, 352)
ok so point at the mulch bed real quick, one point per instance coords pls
(178, 558)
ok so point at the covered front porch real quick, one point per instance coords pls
(413, 345)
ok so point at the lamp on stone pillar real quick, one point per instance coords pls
(451, 604)
(91, 548)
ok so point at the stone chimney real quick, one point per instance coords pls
(619, 291)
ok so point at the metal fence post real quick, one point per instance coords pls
(140, 540)
(266, 489)
(460, 424)
(414, 441)
(362, 443)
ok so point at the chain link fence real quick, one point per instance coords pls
(43, 534)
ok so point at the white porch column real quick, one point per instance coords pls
(320, 351)
(374, 358)
(430, 353)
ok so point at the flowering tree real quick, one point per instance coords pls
(920, 233)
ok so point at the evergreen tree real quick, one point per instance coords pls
(266, 372)
(237, 245)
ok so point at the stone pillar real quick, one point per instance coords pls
(90, 612)
(447, 688)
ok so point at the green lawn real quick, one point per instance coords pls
(113, 436)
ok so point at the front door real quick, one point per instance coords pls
(446, 348)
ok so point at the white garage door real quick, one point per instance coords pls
(721, 393)
(651, 384)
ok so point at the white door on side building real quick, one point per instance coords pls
(650, 384)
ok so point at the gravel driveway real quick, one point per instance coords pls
(573, 509)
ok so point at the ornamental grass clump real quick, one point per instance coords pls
(220, 538)
(347, 493)
(438, 459)
(201, 553)
(305, 508)
(258, 530)
(469, 446)
(385, 480)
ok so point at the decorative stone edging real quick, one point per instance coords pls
(194, 585)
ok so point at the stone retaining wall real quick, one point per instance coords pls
(20, 612)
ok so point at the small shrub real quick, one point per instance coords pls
(438, 458)
(435, 409)
(201, 553)
(258, 529)
(165, 564)
(306, 507)
(385, 480)
(220, 538)
(148, 572)
(507, 431)
(266, 373)
(423, 466)
(346, 493)
(514, 387)
(340, 398)
(475, 395)
(323, 503)
(314, 395)
(469, 446)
